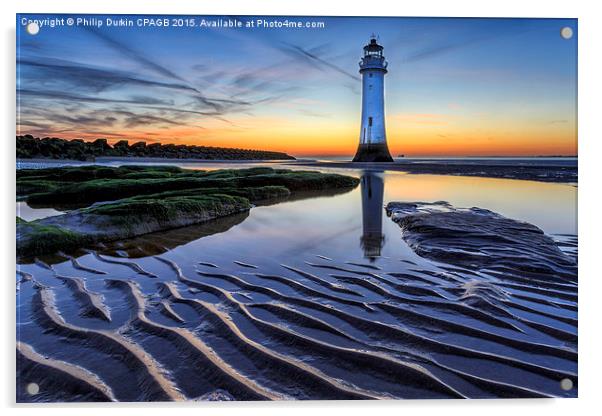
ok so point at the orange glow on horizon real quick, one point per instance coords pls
(407, 134)
(347, 145)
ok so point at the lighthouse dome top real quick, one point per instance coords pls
(373, 47)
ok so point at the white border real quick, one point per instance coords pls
(590, 139)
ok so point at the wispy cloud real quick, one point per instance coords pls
(86, 78)
(459, 39)
(73, 97)
(315, 58)
(135, 55)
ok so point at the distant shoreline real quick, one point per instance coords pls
(557, 170)
(298, 160)
(540, 171)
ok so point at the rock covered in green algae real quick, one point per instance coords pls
(109, 184)
(124, 202)
(36, 238)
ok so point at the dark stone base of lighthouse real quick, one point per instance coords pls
(372, 153)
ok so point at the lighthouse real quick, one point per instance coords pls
(373, 138)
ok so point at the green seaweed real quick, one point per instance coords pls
(42, 238)
(166, 209)
(148, 175)
(110, 189)
(86, 173)
(254, 194)
(32, 186)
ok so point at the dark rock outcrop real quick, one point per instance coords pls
(480, 239)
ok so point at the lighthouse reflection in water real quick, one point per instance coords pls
(372, 240)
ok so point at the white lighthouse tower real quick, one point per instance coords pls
(373, 138)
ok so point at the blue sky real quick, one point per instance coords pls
(455, 86)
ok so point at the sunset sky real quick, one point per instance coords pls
(455, 87)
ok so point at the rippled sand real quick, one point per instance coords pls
(104, 327)
(321, 298)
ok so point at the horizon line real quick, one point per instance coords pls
(322, 155)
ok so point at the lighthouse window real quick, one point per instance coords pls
(370, 121)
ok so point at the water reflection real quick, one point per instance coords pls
(372, 240)
(29, 213)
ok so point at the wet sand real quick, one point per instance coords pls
(284, 303)
(323, 328)
(559, 170)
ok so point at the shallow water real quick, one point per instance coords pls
(315, 298)
(28, 213)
